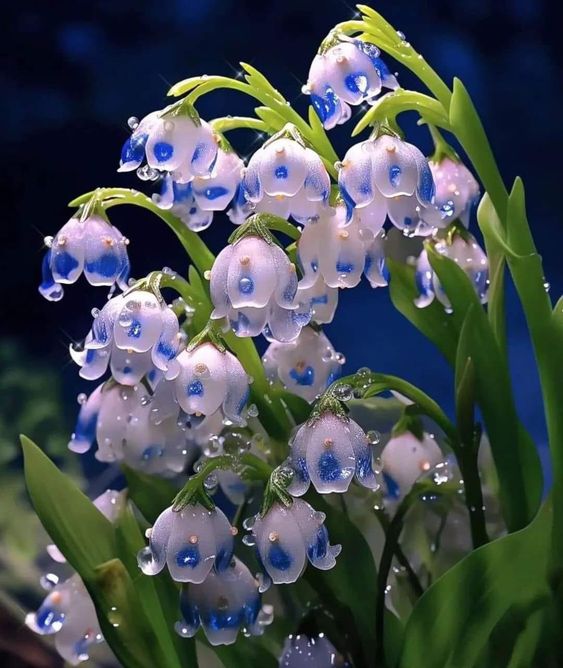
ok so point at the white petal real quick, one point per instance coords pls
(237, 388)
(330, 457)
(282, 167)
(192, 546)
(252, 276)
(355, 177)
(405, 459)
(67, 252)
(139, 322)
(85, 430)
(158, 542)
(128, 367)
(201, 385)
(395, 168)
(218, 282)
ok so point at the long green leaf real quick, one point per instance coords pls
(150, 494)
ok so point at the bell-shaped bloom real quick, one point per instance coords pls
(134, 333)
(457, 191)
(405, 458)
(228, 601)
(68, 612)
(254, 285)
(306, 366)
(181, 145)
(195, 202)
(286, 537)
(190, 542)
(300, 651)
(349, 72)
(321, 298)
(286, 178)
(210, 380)
(93, 247)
(464, 251)
(376, 172)
(130, 425)
(375, 268)
(330, 451)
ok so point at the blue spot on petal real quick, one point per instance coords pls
(392, 486)
(394, 175)
(134, 331)
(278, 557)
(356, 82)
(163, 151)
(304, 377)
(329, 467)
(215, 192)
(152, 452)
(318, 549)
(188, 557)
(63, 264)
(320, 299)
(426, 188)
(281, 172)
(133, 149)
(344, 267)
(195, 389)
(246, 285)
(107, 266)
(47, 616)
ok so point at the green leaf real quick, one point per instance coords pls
(451, 624)
(150, 494)
(464, 392)
(244, 653)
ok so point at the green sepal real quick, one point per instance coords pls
(409, 422)
(182, 108)
(276, 489)
(255, 226)
(209, 334)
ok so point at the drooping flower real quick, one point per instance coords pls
(300, 651)
(68, 612)
(287, 536)
(91, 246)
(286, 178)
(321, 298)
(190, 542)
(210, 380)
(330, 451)
(387, 175)
(227, 602)
(306, 366)
(457, 191)
(254, 284)
(405, 458)
(195, 202)
(134, 333)
(173, 140)
(345, 72)
(463, 249)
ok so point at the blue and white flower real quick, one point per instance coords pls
(180, 144)
(254, 285)
(91, 246)
(348, 72)
(405, 458)
(321, 298)
(330, 451)
(286, 178)
(227, 602)
(135, 333)
(457, 191)
(464, 250)
(190, 542)
(375, 268)
(300, 651)
(306, 366)
(378, 172)
(287, 536)
(69, 614)
(210, 380)
(195, 202)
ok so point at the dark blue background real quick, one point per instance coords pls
(77, 71)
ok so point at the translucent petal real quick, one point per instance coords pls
(139, 322)
(309, 250)
(171, 143)
(104, 250)
(286, 277)
(405, 459)
(133, 151)
(342, 259)
(248, 321)
(301, 479)
(111, 428)
(204, 155)
(224, 539)
(201, 385)
(48, 288)
(218, 282)
(285, 325)
(159, 541)
(238, 389)
(323, 300)
(375, 269)
(395, 166)
(95, 364)
(282, 167)
(317, 181)
(280, 205)
(372, 216)
(216, 191)
(84, 433)
(67, 252)
(168, 344)
(110, 503)
(365, 474)
(305, 211)
(320, 553)
(355, 177)
(330, 457)
(251, 278)
(128, 367)
(192, 546)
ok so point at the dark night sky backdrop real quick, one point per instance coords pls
(76, 71)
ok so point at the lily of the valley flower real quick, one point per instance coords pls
(287, 536)
(321, 298)
(92, 247)
(306, 366)
(300, 651)
(330, 451)
(134, 333)
(254, 284)
(190, 542)
(347, 73)
(457, 191)
(68, 612)
(286, 178)
(227, 602)
(180, 144)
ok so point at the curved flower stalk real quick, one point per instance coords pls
(287, 536)
(190, 542)
(135, 333)
(254, 285)
(461, 247)
(286, 178)
(174, 140)
(87, 244)
(330, 450)
(228, 601)
(196, 201)
(301, 651)
(345, 72)
(305, 366)
(69, 614)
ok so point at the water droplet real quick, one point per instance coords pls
(374, 437)
(401, 34)
(211, 482)
(48, 241)
(343, 392)
(146, 400)
(207, 274)
(327, 355)
(82, 398)
(49, 581)
(266, 615)
(249, 522)
(146, 562)
(547, 286)
(182, 629)
(340, 358)
(249, 540)
(133, 122)
(252, 411)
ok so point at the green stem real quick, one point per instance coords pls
(228, 123)
(467, 460)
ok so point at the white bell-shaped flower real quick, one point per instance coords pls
(286, 178)
(321, 298)
(464, 250)
(287, 536)
(227, 602)
(330, 451)
(93, 247)
(68, 612)
(306, 366)
(254, 284)
(190, 542)
(405, 458)
(300, 651)
(457, 191)
(210, 380)
(375, 268)
(180, 144)
(345, 72)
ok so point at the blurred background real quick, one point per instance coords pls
(73, 74)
